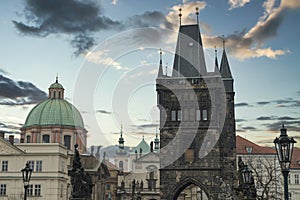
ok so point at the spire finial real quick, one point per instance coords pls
(180, 16)
(56, 78)
(166, 69)
(216, 51)
(223, 42)
(121, 130)
(160, 54)
(197, 13)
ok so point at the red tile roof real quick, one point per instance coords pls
(295, 164)
(244, 146)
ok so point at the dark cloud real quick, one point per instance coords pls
(248, 128)
(19, 92)
(148, 19)
(240, 120)
(298, 93)
(287, 118)
(103, 112)
(289, 102)
(262, 103)
(78, 19)
(290, 125)
(10, 128)
(243, 104)
(264, 118)
(147, 126)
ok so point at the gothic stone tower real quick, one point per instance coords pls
(197, 123)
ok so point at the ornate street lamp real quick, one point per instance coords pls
(284, 147)
(26, 173)
(247, 176)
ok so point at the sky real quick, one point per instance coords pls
(106, 55)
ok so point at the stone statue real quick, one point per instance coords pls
(81, 181)
(142, 185)
(122, 184)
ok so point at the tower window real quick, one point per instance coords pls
(28, 138)
(67, 141)
(121, 165)
(54, 94)
(198, 115)
(173, 115)
(204, 115)
(59, 95)
(179, 115)
(46, 138)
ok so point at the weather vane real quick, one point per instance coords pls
(180, 16)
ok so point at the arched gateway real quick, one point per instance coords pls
(197, 141)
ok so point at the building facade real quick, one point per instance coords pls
(49, 177)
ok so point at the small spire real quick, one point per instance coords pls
(121, 130)
(180, 15)
(216, 61)
(160, 68)
(197, 13)
(56, 78)
(223, 42)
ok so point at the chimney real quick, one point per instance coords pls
(11, 139)
(2, 134)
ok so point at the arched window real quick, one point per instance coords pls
(46, 138)
(28, 139)
(67, 141)
(121, 165)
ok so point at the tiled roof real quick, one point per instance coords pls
(244, 146)
(295, 164)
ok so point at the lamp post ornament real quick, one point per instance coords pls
(284, 147)
(26, 174)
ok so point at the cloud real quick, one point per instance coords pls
(80, 19)
(237, 3)
(102, 57)
(262, 103)
(147, 126)
(284, 118)
(19, 92)
(114, 2)
(264, 118)
(103, 112)
(251, 44)
(242, 104)
(248, 128)
(291, 125)
(2, 71)
(240, 120)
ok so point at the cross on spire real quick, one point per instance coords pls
(197, 13)
(180, 15)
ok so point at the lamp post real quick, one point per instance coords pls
(26, 173)
(247, 176)
(284, 147)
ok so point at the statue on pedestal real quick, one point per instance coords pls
(81, 181)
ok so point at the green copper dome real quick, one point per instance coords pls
(54, 112)
(56, 85)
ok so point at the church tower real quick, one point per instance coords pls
(197, 123)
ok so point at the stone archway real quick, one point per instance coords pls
(188, 182)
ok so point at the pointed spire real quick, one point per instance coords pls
(216, 61)
(160, 69)
(180, 15)
(121, 139)
(156, 141)
(225, 68)
(197, 13)
(56, 78)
